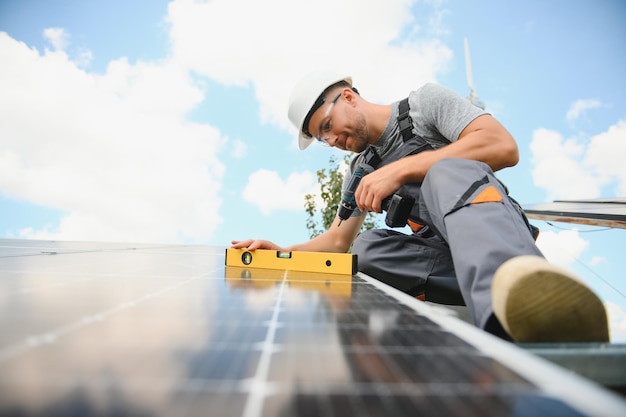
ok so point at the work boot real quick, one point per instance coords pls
(539, 302)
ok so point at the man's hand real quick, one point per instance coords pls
(252, 244)
(377, 186)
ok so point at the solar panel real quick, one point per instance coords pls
(606, 212)
(118, 329)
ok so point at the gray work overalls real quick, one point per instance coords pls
(472, 228)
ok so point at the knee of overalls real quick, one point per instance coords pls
(459, 169)
(452, 182)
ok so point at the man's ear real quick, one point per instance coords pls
(349, 96)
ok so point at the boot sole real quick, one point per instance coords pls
(539, 302)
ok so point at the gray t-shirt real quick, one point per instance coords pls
(439, 116)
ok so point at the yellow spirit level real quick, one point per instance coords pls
(324, 262)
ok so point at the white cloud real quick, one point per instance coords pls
(558, 168)
(562, 248)
(58, 38)
(83, 58)
(267, 191)
(213, 38)
(579, 107)
(112, 151)
(617, 322)
(605, 154)
(570, 168)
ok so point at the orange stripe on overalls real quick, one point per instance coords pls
(488, 195)
(415, 227)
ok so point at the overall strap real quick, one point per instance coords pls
(405, 124)
(404, 120)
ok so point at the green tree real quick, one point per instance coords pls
(330, 180)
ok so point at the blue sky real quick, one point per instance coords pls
(157, 121)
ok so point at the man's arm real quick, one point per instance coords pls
(335, 239)
(484, 139)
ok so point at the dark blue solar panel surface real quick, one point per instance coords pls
(147, 330)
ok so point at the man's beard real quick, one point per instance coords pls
(360, 138)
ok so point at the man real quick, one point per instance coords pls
(441, 150)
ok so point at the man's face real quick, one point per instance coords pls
(339, 124)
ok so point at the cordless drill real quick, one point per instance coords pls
(398, 207)
(348, 202)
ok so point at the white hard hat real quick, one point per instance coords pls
(305, 94)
